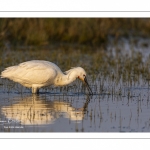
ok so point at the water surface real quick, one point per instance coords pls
(119, 78)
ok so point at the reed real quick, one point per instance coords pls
(91, 31)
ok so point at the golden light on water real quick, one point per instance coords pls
(33, 111)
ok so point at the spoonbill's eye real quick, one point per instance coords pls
(84, 75)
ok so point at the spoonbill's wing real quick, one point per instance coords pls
(31, 72)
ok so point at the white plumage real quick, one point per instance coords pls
(38, 73)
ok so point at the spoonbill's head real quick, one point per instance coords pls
(82, 76)
(80, 73)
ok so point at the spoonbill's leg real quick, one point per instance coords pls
(35, 90)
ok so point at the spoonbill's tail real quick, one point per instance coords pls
(9, 72)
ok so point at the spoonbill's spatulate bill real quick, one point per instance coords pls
(38, 73)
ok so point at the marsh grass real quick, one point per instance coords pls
(89, 31)
(112, 69)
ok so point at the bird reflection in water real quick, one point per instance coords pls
(34, 110)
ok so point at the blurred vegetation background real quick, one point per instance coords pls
(91, 31)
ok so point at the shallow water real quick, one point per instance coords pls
(110, 109)
(121, 100)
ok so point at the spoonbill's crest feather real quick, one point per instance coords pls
(75, 69)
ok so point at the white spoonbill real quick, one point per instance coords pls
(39, 73)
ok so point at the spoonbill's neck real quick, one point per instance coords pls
(65, 79)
